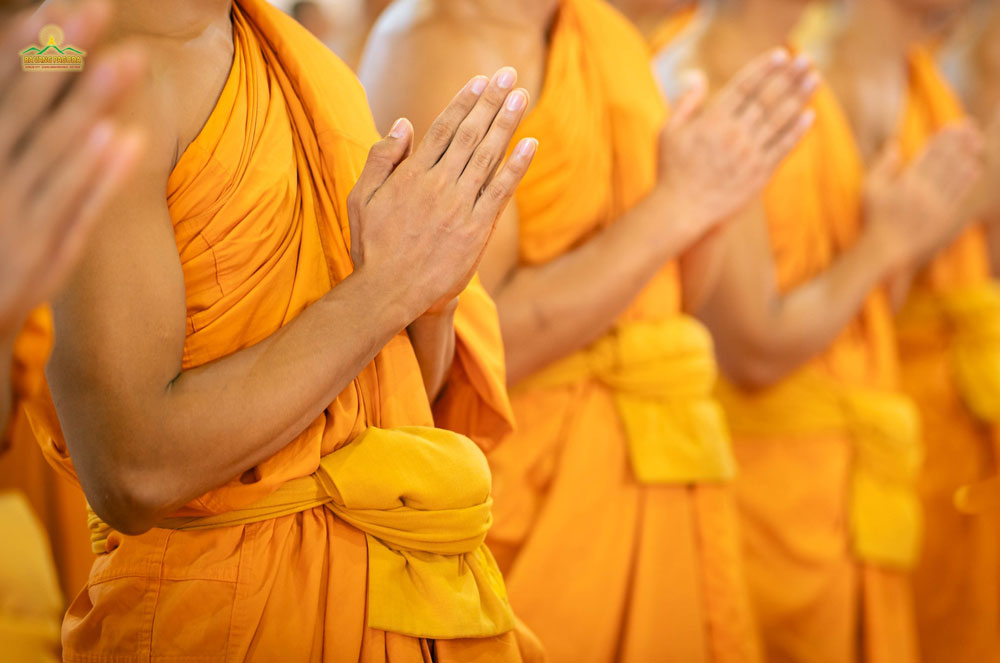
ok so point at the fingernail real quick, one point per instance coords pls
(810, 83)
(779, 56)
(808, 118)
(801, 62)
(398, 129)
(525, 148)
(516, 101)
(505, 78)
(478, 84)
(104, 76)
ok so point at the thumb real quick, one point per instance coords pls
(691, 101)
(384, 156)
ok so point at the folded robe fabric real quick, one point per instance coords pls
(258, 202)
(829, 455)
(601, 564)
(949, 333)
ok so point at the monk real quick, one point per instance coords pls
(948, 328)
(613, 524)
(63, 157)
(246, 359)
(826, 443)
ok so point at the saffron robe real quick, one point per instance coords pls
(822, 588)
(605, 557)
(258, 203)
(949, 331)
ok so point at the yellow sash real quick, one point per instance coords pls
(662, 374)
(422, 498)
(884, 511)
(970, 318)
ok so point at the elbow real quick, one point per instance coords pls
(752, 367)
(129, 501)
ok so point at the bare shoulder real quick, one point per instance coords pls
(421, 52)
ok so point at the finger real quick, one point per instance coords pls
(787, 111)
(32, 93)
(782, 146)
(498, 192)
(734, 95)
(442, 130)
(383, 158)
(492, 148)
(691, 101)
(101, 89)
(473, 128)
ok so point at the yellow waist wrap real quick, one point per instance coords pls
(884, 511)
(422, 498)
(968, 320)
(662, 375)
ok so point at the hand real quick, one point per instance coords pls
(421, 222)
(915, 210)
(716, 160)
(61, 156)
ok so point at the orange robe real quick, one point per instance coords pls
(949, 333)
(59, 504)
(823, 589)
(258, 202)
(602, 564)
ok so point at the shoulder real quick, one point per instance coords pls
(420, 53)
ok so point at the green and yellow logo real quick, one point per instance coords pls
(50, 54)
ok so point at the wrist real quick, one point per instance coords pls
(883, 246)
(679, 224)
(390, 296)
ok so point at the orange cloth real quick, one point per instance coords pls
(814, 598)
(957, 584)
(59, 504)
(601, 566)
(258, 202)
(670, 27)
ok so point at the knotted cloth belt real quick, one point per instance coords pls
(422, 498)
(661, 375)
(970, 318)
(885, 516)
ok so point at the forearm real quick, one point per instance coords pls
(552, 310)
(803, 322)
(433, 338)
(143, 455)
(700, 267)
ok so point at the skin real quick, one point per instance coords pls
(133, 419)
(763, 334)
(551, 310)
(61, 158)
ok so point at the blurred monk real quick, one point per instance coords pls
(948, 327)
(62, 158)
(614, 521)
(246, 361)
(828, 447)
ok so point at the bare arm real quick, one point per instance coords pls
(147, 436)
(762, 334)
(551, 310)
